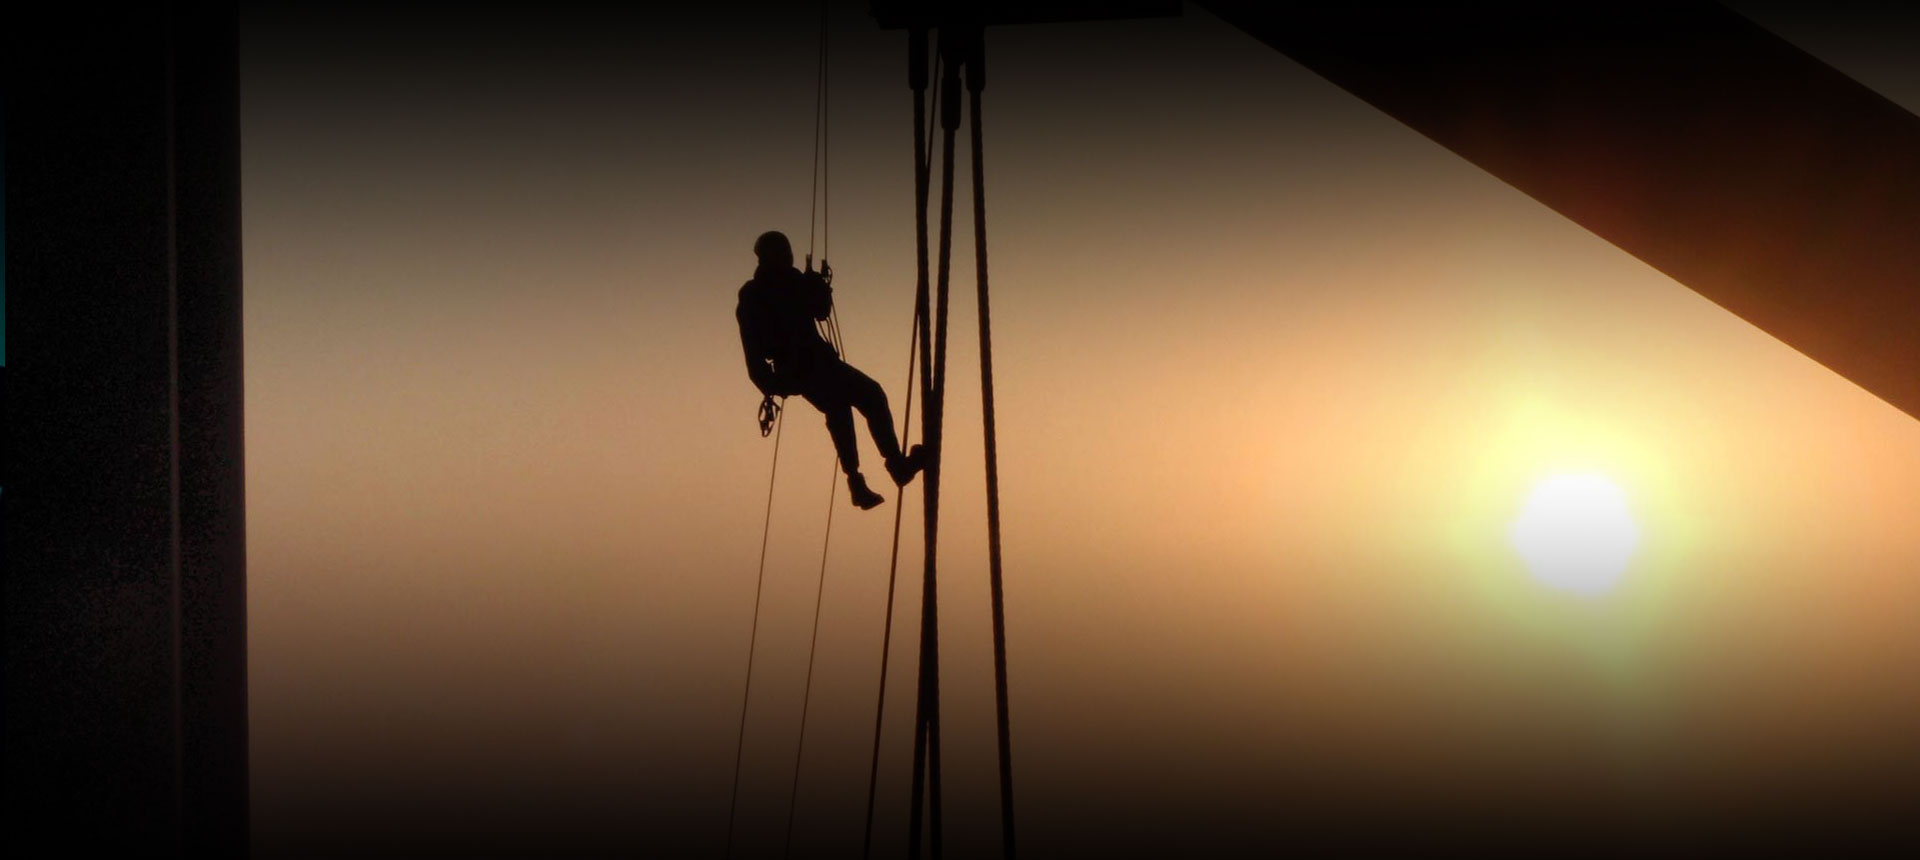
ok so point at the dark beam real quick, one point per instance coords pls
(899, 14)
(123, 513)
(1685, 134)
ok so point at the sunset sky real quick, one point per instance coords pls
(1275, 375)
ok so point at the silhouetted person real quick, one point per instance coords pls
(786, 355)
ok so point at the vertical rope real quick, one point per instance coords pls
(753, 638)
(820, 590)
(826, 143)
(818, 215)
(917, 81)
(976, 81)
(819, 126)
(833, 484)
(886, 632)
(927, 736)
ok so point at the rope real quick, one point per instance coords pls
(753, 638)
(820, 590)
(922, 156)
(819, 136)
(822, 185)
(815, 205)
(976, 81)
(926, 758)
(806, 696)
(886, 633)
(933, 118)
(826, 146)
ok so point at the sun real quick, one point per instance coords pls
(1575, 533)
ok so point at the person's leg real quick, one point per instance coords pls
(831, 403)
(867, 396)
(839, 424)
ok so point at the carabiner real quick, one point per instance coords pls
(769, 413)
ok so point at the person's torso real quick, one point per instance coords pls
(783, 307)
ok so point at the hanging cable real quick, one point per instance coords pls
(930, 336)
(775, 417)
(806, 696)
(826, 143)
(753, 638)
(926, 758)
(977, 81)
(819, 125)
(922, 154)
(813, 644)
(822, 187)
(886, 633)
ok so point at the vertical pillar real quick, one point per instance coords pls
(123, 518)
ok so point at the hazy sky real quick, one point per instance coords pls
(1274, 375)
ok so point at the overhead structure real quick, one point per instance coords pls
(1687, 135)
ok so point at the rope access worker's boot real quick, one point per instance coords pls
(904, 467)
(863, 498)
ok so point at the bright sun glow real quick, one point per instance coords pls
(1575, 533)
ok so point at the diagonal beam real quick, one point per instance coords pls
(1685, 134)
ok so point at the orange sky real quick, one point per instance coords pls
(1274, 373)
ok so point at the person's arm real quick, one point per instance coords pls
(818, 296)
(751, 342)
